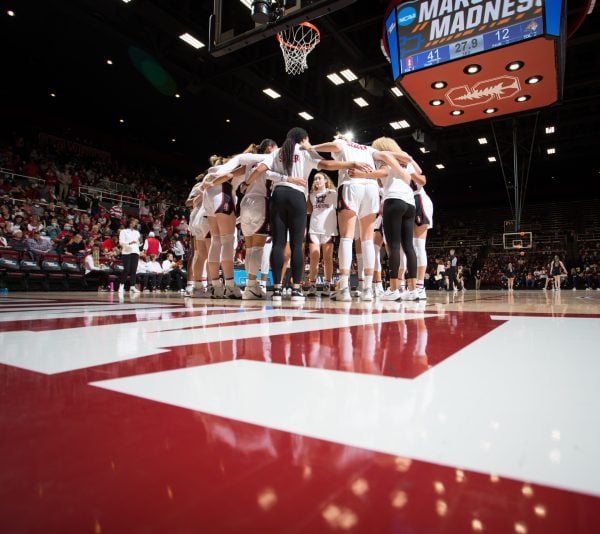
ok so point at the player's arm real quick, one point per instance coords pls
(309, 206)
(228, 176)
(333, 165)
(331, 147)
(382, 172)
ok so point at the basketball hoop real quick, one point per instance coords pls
(296, 43)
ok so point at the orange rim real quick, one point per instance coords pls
(300, 47)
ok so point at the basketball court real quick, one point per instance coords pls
(470, 412)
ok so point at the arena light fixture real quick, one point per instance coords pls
(489, 111)
(456, 112)
(173, 140)
(121, 121)
(534, 79)
(396, 92)
(436, 102)
(491, 159)
(53, 95)
(270, 92)
(191, 40)
(361, 102)
(440, 166)
(438, 85)
(10, 13)
(334, 77)
(246, 3)
(349, 75)
(549, 129)
(306, 116)
(177, 95)
(482, 140)
(126, 1)
(109, 61)
(514, 65)
(551, 150)
(522, 98)
(424, 150)
(472, 69)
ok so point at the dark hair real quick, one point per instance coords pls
(264, 144)
(294, 136)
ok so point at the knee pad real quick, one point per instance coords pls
(227, 247)
(265, 262)
(377, 264)
(345, 253)
(214, 251)
(420, 251)
(368, 253)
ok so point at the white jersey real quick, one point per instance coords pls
(261, 186)
(323, 219)
(303, 162)
(195, 191)
(353, 152)
(395, 187)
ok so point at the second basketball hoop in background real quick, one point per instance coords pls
(296, 43)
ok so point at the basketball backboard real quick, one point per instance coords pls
(517, 240)
(231, 26)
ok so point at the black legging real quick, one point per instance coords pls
(288, 212)
(130, 263)
(398, 222)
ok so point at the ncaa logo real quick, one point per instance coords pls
(406, 16)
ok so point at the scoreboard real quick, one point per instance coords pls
(475, 47)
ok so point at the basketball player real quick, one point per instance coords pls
(322, 230)
(423, 221)
(557, 268)
(398, 223)
(288, 201)
(358, 198)
(200, 231)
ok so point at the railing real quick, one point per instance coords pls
(108, 196)
(7, 173)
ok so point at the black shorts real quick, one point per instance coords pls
(420, 215)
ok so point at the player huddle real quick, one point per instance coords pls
(379, 200)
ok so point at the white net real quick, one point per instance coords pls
(296, 43)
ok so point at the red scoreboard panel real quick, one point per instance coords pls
(466, 60)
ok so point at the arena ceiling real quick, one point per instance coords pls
(62, 47)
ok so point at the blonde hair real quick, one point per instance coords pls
(328, 182)
(386, 144)
(251, 149)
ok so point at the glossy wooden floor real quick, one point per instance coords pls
(469, 412)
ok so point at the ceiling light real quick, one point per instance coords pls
(472, 69)
(424, 150)
(247, 3)
(440, 166)
(489, 111)
(534, 79)
(349, 135)
(456, 112)
(396, 91)
(549, 129)
(191, 40)
(227, 121)
(335, 78)
(491, 159)
(10, 13)
(271, 93)
(360, 101)
(515, 65)
(436, 102)
(126, 1)
(53, 95)
(551, 150)
(522, 98)
(173, 140)
(177, 95)
(306, 116)
(121, 121)
(398, 125)
(349, 75)
(109, 62)
(439, 85)
(482, 141)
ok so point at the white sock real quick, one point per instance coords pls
(368, 281)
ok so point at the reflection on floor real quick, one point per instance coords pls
(475, 412)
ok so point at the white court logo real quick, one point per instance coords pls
(493, 407)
